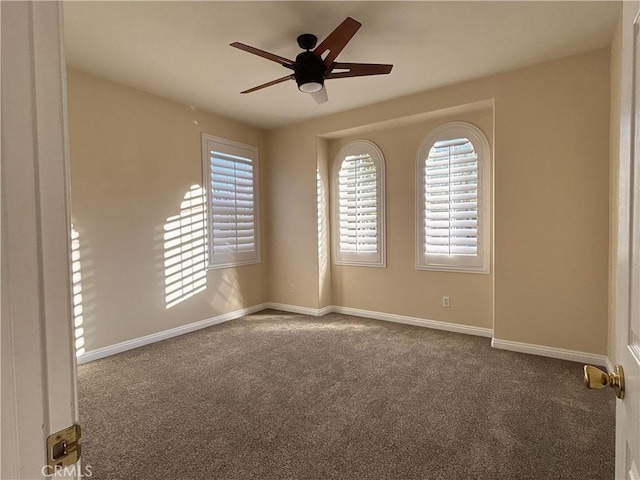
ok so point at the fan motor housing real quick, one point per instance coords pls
(309, 68)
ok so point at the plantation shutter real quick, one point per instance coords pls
(451, 199)
(358, 204)
(232, 204)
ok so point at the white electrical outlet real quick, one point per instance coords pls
(292, 287)
(445, 302)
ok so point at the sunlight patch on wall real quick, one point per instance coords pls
(76, 280)
(185, 249)
(323, 250)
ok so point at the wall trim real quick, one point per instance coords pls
(387, 317)
(553, 352)
(541, 350)
(313, 312)
(166, 334)
(420, 322)
(609, 365)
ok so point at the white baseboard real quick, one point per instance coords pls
(388, 317)
(553, 352)
(174, 332)
(313, 312)
(420, 322)
(325, 310)
(609, 365)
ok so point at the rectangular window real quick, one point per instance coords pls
(231, 173)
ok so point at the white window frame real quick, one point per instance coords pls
(457, 263)
(365, 259)
(217, 260)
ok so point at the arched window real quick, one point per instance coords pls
(358, 205)
(453, 200)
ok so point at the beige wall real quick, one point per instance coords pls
(552, 167)
(293, 219)
(400, 288)
(133, 158)
(551, 203)
(324, 224)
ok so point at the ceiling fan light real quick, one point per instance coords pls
(310, 87)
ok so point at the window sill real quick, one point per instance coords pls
(454, 269)
(219, 266)
(351, 263)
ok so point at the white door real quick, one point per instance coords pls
(628, 261)
(38, 365)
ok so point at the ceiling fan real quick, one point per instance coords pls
(317, 63)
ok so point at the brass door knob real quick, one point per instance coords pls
(595, 377)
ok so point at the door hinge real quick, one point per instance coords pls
(63, 448)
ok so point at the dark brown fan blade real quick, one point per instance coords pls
(358, 69)
(274, 82)
(337, 40)
(321, 95)
(261, 53)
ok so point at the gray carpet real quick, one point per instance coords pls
(284, 396)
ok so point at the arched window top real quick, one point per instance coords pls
(453, 198)
(454, 132)
(360, 148)
(358, 199)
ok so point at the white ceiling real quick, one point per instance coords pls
(180, 50)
